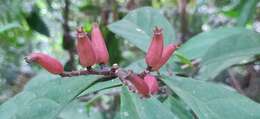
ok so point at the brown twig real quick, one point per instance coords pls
(144, 73)
(105, 71)
(110, 74)
(114, 72)
(86, 72)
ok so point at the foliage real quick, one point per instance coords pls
(192, 94)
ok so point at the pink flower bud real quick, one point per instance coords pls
(139, 84)
(155, 50)
(167, 53)
(99, 45)
(47, 62)
(85, 51)
(152, 83)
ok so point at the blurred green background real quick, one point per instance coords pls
(49, 26)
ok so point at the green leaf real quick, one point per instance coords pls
(228, 5)
(183, 59)
(113, 46)
(213, 101)
(234, 8)
(137, 27)
(36, 23)
(42, 77)
(229, 51)
(132, 107)
(198, 45)
(102, 86)
(77, 110)
(178, 108)
(45, 100)
(218, 52)
(90, 9)
(247, 12)
(138, 65)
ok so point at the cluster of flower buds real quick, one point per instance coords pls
(157, 55)
(146, 84)
(90, 52)
(93, 51)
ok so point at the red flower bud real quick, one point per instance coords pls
(47, 62)
(99, 45)
(155, 50)
(167, 53)
(152, 83)
(85, 51)
(139, 84)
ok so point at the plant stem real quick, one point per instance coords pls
(182, 11)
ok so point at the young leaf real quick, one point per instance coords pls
(183, 59)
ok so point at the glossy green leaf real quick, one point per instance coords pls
(229, 51)
(45, 100)
(137, 27)
(132, 107)
(213, 101)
